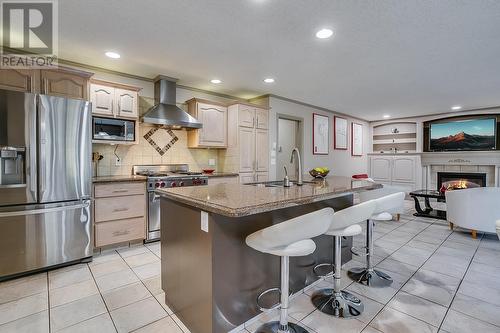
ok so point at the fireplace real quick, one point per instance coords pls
(447, 181)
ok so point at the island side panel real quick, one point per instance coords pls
(186, 265)
(240, 273)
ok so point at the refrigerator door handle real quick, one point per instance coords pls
(44, 210)
(42, 142)
(32, 172)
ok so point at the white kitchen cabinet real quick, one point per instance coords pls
(126, 103)
(103, 99)
(247, 177)
(213, 116)
(380, 167)
(403, 169)
(246, 116)
(262, 117)
(247, 149)
(261, 150)
(396, 170)
(262, 176)
(114, 100)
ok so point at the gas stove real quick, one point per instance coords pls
(170, 175)
(164, 176)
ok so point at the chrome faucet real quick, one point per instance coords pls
(296, 150)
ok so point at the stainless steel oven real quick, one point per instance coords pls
(108, 129)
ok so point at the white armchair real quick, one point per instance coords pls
(477, 209)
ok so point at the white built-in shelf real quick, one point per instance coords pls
(399, 136)
(390, 141)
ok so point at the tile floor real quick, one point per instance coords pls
(444, 281)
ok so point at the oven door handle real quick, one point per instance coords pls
(156, 197)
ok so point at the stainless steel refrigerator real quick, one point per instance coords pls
(45, 182)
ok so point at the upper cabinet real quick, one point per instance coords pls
(103, 99)
(20, 80)
(114, 100)
(213, 116)
(262, 117)
(63, 82)
(251, 116)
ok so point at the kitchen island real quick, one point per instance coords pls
(211, 278)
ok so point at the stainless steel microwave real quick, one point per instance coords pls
(107, 129)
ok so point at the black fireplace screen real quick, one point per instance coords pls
(459, 180)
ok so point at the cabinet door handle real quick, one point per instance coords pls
(121, 233)
(120, 209)
(120, 191)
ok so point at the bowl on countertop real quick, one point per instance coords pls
(317, 174)
(208, 171)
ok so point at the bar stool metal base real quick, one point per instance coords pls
(341, 304)
(371, 278)
(274, 327)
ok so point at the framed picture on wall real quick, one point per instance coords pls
(320, 134)
(339, 133)
(356, 139)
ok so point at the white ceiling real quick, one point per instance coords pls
(397, 57)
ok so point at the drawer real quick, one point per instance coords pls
(119, 189)
(116, 208)
(119, 231)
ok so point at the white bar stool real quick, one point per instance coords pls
(385, 207)
(291, 238)
(337, 302)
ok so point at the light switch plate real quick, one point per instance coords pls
(118, 161)
(211, 161)
(273, 161)
(204, 221)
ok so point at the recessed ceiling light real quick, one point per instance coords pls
(113, 55)
(386, 116)
(269, 80)
(216, 81)
(456, 107)
(324, 33)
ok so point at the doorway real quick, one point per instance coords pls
(289, 137)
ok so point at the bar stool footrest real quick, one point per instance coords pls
(265, 292)
(318, 266)
(359, 251)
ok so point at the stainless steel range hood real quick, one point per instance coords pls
(166, 112)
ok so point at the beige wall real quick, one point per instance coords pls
(340, 162)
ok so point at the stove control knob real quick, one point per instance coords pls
(181, 184)
(174, 184)
(162, 184)
(157, 184)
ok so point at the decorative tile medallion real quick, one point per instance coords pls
(149, 138)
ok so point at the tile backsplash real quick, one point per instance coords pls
(145, 153)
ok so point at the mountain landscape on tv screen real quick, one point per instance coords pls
(464, 141)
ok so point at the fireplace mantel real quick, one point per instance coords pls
(464, 161)
(461, 158)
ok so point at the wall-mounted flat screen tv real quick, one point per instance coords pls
(470, 134)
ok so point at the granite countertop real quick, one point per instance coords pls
(221, 174)
(123, 178)
(236, 200)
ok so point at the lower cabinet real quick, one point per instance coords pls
(119, 212)
(402, 171)
(252, 177)
(223, 180)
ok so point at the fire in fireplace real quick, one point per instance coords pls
(448, 181)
